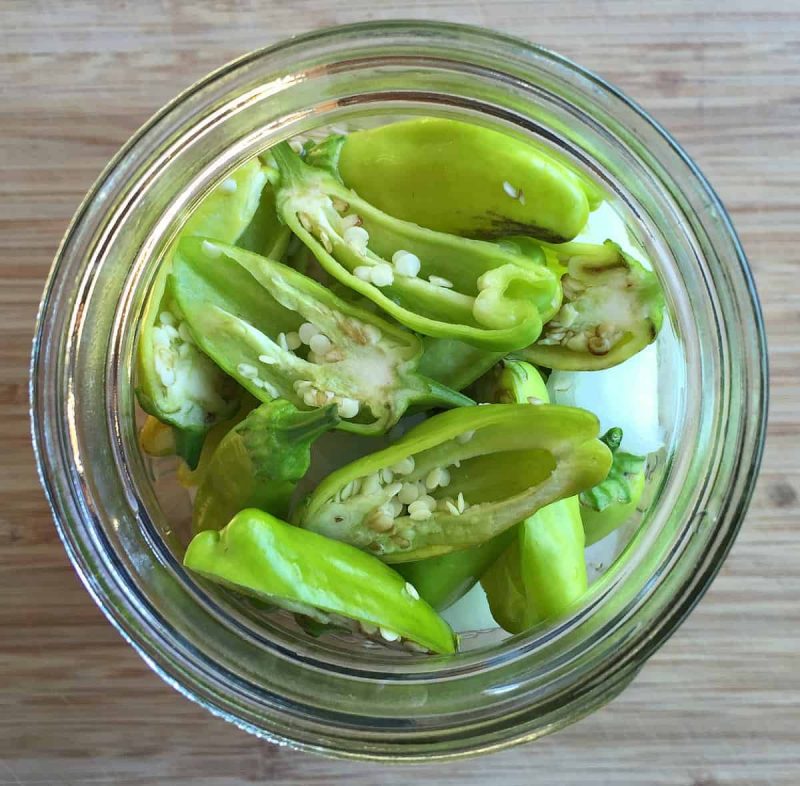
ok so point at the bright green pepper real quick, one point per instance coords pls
(543, 572)
(613, 501)
(252, 316)
(613, 307)
(444, 579)
(259, 463)
(176, 383)
(459, 178)
(298, 570)
(437, 284)
(475, 472)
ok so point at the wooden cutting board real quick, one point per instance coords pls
(719, 704)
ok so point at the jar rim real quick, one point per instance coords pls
(54, 404)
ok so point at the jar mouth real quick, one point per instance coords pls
(275, 682)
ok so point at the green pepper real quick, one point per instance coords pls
(445, 579)
(613, 307)
(613, 501)
(436, 284)
(282, 335)
(176, 383)
(259, 462)
(261, 556)
(458, 479)
(543, 572)
(459, 178)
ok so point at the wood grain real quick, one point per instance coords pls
(719, 704)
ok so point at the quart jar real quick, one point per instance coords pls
(262, 672)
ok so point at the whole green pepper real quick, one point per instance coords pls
(259, 463)
(176, 383)
(458, 479)
(282, 335)
(434, 283)
(613, 501)
(613, 307)
(543, 572)
(459, 178)
(298, 570)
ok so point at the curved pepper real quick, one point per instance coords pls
(459, 178)
(436, 284)
(282, 335)
(543, 572)
(259, 463)
(298, 570)
(176, 383)
(613, 308)
(613, 501)
(459, 479)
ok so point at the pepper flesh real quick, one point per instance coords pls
(612, 502)
(242, 307)
(543, 572)
(469, 290)
(503, 463)
(259, 555)
(613, 307)
(176, 383)
(259, 463)
(459, 178)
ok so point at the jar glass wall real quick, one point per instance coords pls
(263, 673)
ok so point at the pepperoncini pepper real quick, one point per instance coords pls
(543, 571)
(259, 463)
(434, 283)
(459, 178)
(175, 382)
(259, 555)
(281, 334)
(613, 307)
(458, 479)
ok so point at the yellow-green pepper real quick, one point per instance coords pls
(259, 463)
(613, 307)
(175, 382)
(543, 572)
(259, 555)
(458, 479)
(459, 178)
(281, 334)
(434, 283)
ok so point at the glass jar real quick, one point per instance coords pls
(262, 673)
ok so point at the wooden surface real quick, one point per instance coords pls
(719, 704)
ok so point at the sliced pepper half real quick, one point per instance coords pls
(459, 178)
(613, 307)
(434, 283)
(282, 335)
(458, 479)
(176, 383)
(298, 570)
